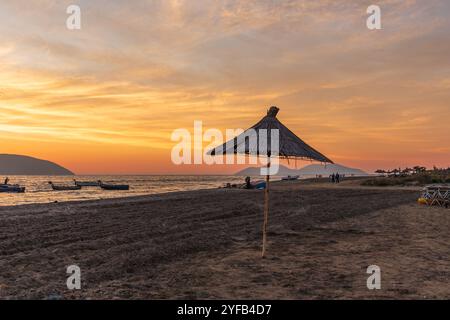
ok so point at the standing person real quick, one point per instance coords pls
(248, 184)
(6, 180)
(332, 178)
(337, 177)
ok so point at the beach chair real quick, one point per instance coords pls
(436, 195)
(445, 194)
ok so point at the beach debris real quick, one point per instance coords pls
(54, 296)
(238, 239)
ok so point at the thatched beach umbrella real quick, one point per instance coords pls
(289, 147)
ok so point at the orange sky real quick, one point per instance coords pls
(106, 98)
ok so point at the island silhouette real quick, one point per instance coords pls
(11, 164)
(309, 170)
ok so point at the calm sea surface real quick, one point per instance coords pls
(39, 191)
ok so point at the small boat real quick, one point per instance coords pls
(113, 186)
(259, 185)
(290, 178)
(11, 188)
(86, 183)
(63, 188)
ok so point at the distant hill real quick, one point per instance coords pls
(256, 171)
(310, 170)
(11, 164)
(326, 170)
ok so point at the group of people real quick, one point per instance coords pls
(335, 177)
(246, 185)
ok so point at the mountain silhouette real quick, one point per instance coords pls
(11, 164)
(310, 170)
(256, 171)
(328, 169)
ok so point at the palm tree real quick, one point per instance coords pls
(396, 172)
(419, 169)
(407, 171)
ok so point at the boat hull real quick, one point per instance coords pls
(11, 189)
(65, 188)
(86, 184)
(112, 187)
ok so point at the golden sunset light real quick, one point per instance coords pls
(239, 158)
(106, 98)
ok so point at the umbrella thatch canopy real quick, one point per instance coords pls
(289, 147)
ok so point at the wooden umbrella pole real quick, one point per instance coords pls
(266, 211)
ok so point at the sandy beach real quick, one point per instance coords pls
(206, 245)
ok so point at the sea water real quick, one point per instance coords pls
(39, 191)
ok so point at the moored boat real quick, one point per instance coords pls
(113, 186)
(86, 183)
(11, 188)
(64, 188)
(290, 178)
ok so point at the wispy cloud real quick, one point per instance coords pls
(137, 71)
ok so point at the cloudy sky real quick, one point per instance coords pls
(106, 98)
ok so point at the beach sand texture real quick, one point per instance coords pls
(206, 245)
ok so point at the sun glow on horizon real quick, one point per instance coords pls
(106, 98)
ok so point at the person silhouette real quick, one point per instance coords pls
(248, 184)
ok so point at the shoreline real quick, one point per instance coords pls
(307, 182)
(122, 199)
